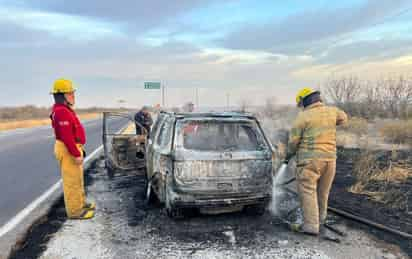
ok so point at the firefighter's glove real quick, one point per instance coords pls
(288, 158)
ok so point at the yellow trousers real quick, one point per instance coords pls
(73, 181)
(314, 183)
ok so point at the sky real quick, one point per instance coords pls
(246, 50)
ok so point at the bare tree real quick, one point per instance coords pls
(343, 92)
(383, 98)
(244, 105)
(371, 104)
(270, 107)
(398, 96)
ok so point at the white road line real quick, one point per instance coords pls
(97, 150)
(26, 211)
(13, 222)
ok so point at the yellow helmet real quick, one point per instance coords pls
(63, 86)
(303, 93)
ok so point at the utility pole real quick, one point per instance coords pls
(227, 101)
(120, 102)
(197, 98)
(163, 95)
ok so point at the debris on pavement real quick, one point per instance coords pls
(125, 227)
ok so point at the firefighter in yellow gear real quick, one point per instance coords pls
(312, 140)
(70, 139)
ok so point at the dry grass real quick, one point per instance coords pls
(377, 183)
(394, 173)
(89, 116)
(357, 126)
(350, 134)
(346, 139)
(10, 125)
(398, 132)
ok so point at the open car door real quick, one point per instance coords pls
(123, 149)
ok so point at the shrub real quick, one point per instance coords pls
(398, 132)
(30, 112)
(358, 126)
(270, 108)
(380, 182)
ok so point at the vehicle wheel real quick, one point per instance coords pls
(149, 194)
(256, 210)
(175, 213)
(109, 169)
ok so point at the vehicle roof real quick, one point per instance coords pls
(199, 115)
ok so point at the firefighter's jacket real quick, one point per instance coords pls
(313, 135)
(68, 128)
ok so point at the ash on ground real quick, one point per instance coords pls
(125, 227)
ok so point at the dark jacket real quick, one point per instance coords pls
(145, 120)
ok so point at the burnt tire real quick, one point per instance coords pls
(109, 168)
(172, 211)
(148, 192)
(149, 195)
(175, 213)
(255, 210)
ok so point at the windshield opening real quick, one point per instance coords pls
(221, 136)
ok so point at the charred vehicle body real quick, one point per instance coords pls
(216, 162)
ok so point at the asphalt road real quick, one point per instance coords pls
(28, 167)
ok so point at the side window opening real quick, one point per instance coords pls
(160, 135)
(247, 138)
(155, 127)
(164, 136)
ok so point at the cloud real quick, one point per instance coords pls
(297, 32)
(113, 68)
(255, 62)
(68, 26)
(138, 15)
(365, 50)
(399, 66)
(15, 34)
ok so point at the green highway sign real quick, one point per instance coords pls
(151, 85)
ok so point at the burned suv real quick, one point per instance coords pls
(217, 162)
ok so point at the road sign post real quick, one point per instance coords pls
(163, 96)
(156, 86)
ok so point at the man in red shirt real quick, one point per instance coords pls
(68, 149)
